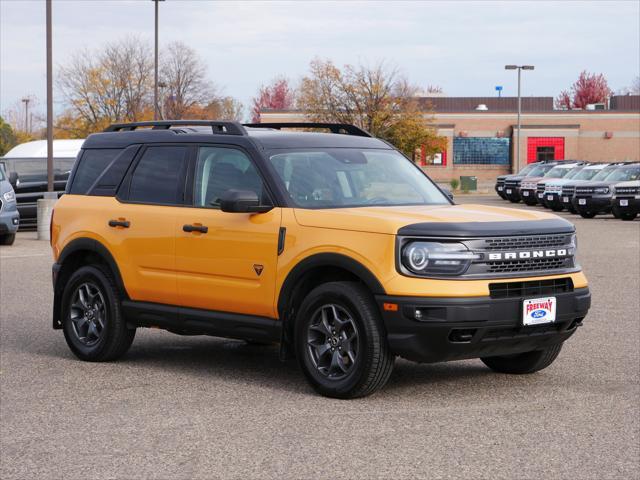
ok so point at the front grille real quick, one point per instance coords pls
(534, 241)
(500, 181)
(530, 289)
(568, 191)
(627, 190)
(511, 183)
(540, 187)
(528, 265)
(581, 190)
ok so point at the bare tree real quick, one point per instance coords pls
(186, 86)
(107, 86)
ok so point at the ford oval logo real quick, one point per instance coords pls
(538, 314)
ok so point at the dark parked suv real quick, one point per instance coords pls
(595, 197)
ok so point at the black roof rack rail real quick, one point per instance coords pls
(332, 127)
(228, 128)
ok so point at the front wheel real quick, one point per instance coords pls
(623, 215)
(93, 324)
(340, 340)
(7, 239)
(522, 363)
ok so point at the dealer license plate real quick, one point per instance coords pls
(499, 189)
(624, 202)
(582, 201)
(541, 195)
(508, 190)
(565, 199)
(550, 197)
(538, 311)
(525, 194)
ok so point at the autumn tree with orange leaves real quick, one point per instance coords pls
(376, 98)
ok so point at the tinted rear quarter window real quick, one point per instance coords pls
(158, 176)
(92, 163)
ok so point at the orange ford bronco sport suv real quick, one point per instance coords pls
(333, 244)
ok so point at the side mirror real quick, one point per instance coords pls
(447, 192)
(13, 178)
(242, 201)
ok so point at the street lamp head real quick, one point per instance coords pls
(510, 67)
(527, 67)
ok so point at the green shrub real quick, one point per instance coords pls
(454, 183)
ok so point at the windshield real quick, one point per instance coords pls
(625, 174)
(587, 173)
(557, 172)
(573, 173)
(349, 177)
(35, 169)
(539, 170)
(527, 169)
(604, 173)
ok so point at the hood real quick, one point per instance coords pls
(630, 183)
(558, 181)
(433, 220)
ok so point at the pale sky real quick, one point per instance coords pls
(461, 46)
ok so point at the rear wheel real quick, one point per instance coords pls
(341, 344)
(7, 239)
(522, 363)
(93, 324)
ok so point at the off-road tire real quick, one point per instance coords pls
(626, 216)
(116, 337)
(7, 239)
(523, 363)
(373, 361)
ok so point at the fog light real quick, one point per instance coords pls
(15, 221)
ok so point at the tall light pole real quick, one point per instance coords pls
(155, 68)
(519, 68)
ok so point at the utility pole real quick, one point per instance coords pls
(519, 68)
(49, 101)
(155, 68)
(26, 101)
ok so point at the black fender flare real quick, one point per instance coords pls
(326, 260)
(77, 245)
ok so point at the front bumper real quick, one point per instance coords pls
(512, 193)
(9, 221)
(592, 203)
(553, 200)
(529, 196)
(632, 204)
(461, 328)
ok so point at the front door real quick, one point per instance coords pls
(226, 261)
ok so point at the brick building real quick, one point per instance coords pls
(482, 134)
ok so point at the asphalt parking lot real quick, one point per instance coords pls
(201, 407)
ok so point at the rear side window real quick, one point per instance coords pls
(92, 163)
(159, 175)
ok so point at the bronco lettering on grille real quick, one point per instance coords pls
(559, 252)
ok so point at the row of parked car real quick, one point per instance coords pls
(588, 189)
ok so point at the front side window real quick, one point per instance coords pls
(158, 176)
(625, 174)
(349, 177)
(219, 169)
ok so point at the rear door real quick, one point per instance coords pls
(228, 262)
(142, 223)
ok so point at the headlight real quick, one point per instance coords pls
(601, 190)
(9, 197)
(435, 258)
